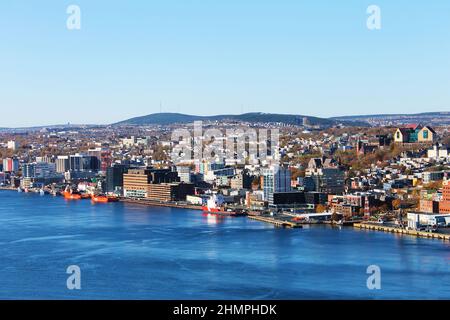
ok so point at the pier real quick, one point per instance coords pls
(277, 222)
(422, 234)
(8, 188)
(161, 204)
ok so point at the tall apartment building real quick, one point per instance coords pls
(242, 180)
(114, 177)
(10, 165)
(62, 164)
(13, 145)
(103, 155)
(39, 170)
(83, 162)
(184, 173)
(275, 179)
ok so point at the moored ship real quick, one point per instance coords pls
(70, 195)
(104, 199)
(214, 205)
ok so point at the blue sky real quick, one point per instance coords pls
(133, 58)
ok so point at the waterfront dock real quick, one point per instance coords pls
(148, 202)
(8, 188)
(284, 223)
(422, 234)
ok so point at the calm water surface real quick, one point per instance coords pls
(137, 252)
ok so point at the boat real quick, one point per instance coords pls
(113, 199)
(104, 199)
(70, 195)
(214, 206)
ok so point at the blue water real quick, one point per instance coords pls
(136, 252)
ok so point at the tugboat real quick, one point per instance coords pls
(70, 195)
(104, 199)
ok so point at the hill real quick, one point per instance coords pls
(254, 117)
(431, 118)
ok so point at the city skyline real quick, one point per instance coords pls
(314, 59)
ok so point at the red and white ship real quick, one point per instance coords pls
(214, 204)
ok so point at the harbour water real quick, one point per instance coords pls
(128, 251)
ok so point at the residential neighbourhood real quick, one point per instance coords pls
(395, 175)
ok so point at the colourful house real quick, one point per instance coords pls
(415, 133)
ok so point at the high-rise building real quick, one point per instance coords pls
(276, 179)
(242, 180)
(62, 164)
(184, 173)
(83, 162)
(28, 170)
(10, 165)
(39, 170)
(114, 177)
(13, 145)
(103, 156)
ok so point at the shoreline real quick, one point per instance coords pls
(288, 224)
(8, 188)
(415, 233)
(146, 202)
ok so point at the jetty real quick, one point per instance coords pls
(422, 234)
(148, 202)
(279, 222)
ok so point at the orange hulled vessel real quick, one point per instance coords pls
(70, 195)
(104, 199)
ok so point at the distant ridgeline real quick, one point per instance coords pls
(254, 117)
(432, 118)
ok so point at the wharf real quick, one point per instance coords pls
(278, 222)
(422, 234)
(8, 188)
(161, 204)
